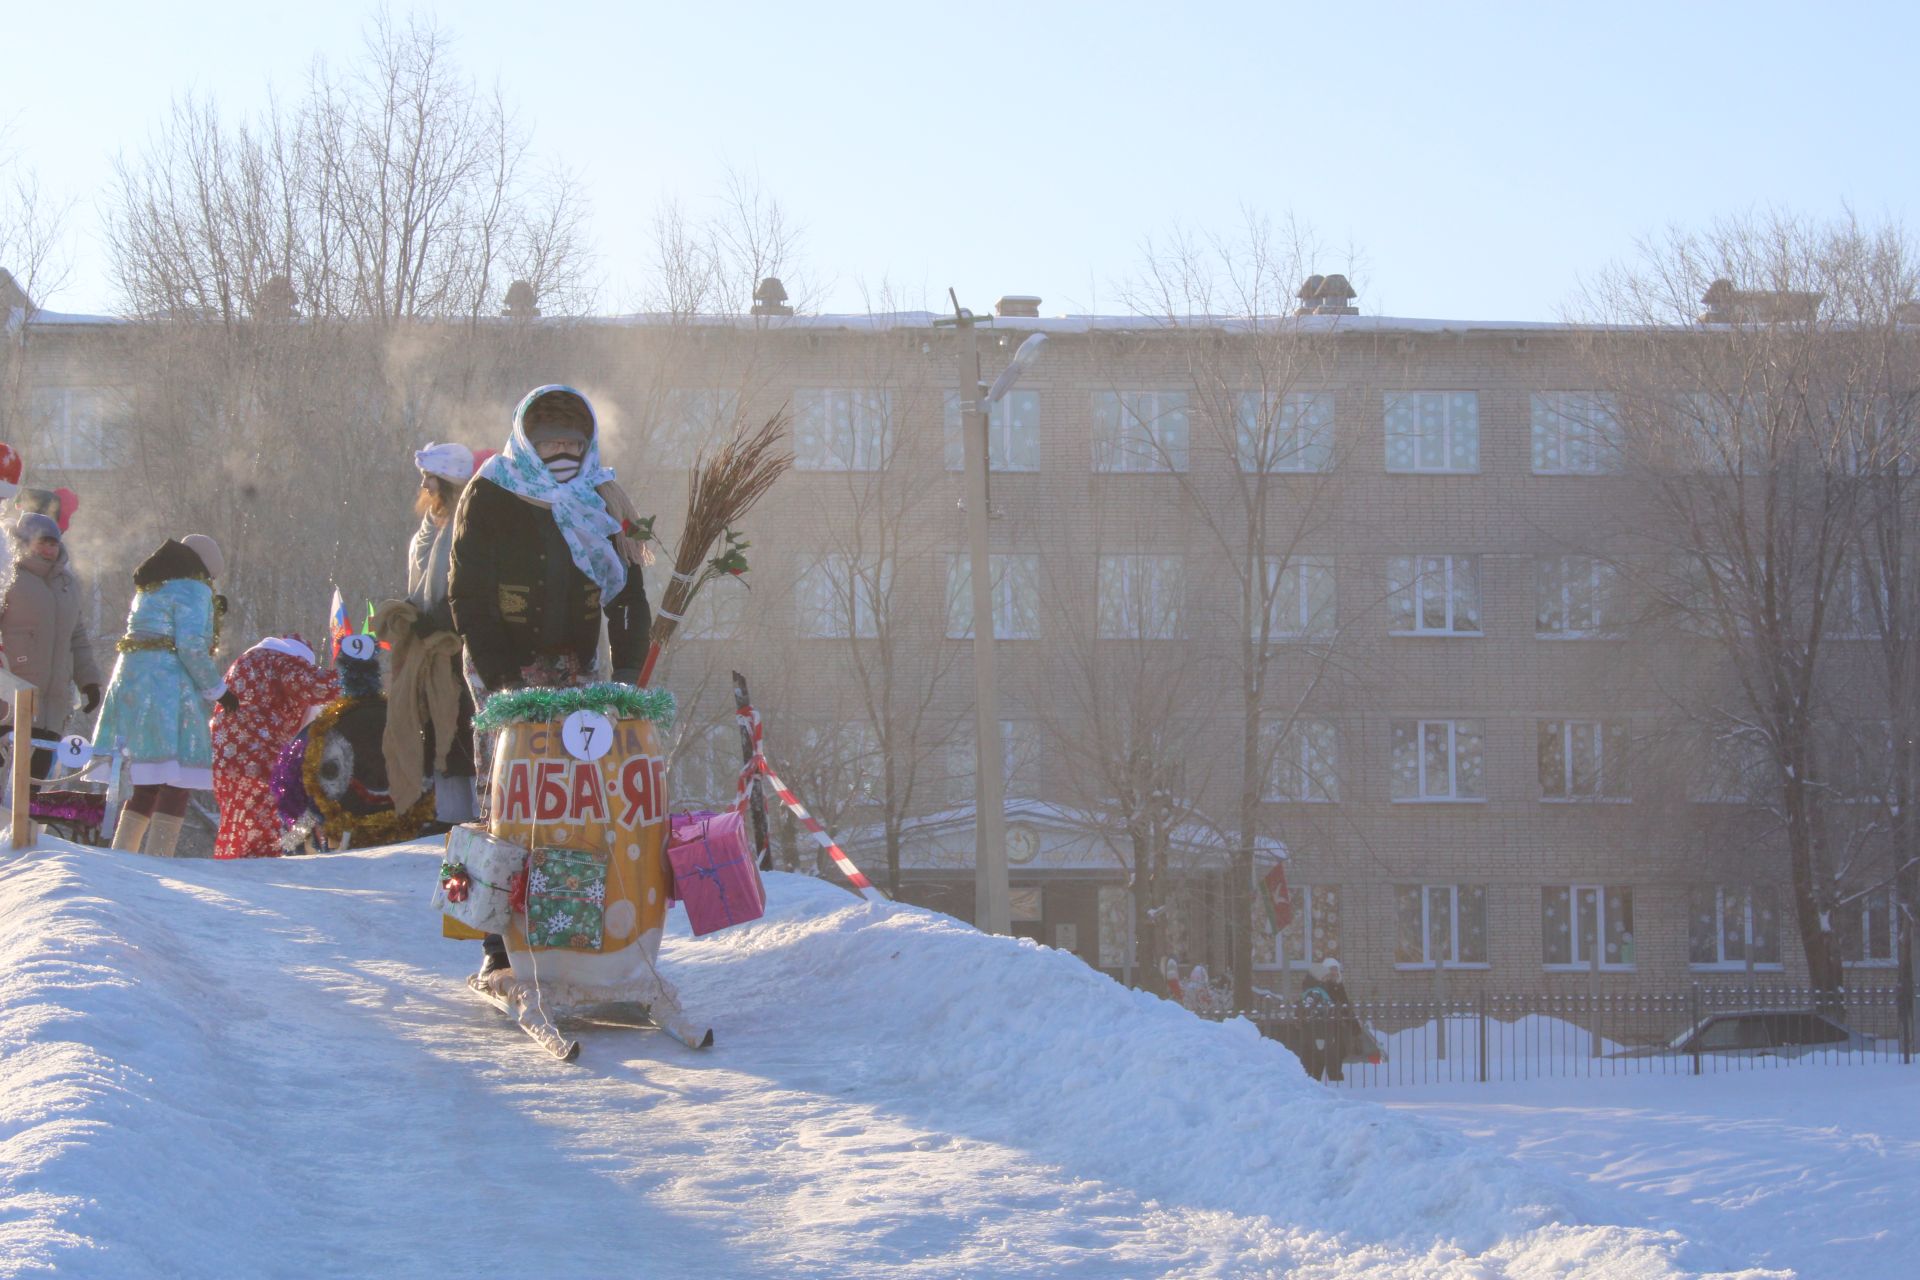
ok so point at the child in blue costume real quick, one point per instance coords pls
(163, 691)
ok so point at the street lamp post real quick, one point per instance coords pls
(992, 910)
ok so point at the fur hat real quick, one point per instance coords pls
(209, 552)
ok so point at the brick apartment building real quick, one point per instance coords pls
(1473, 779)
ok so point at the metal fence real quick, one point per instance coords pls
(1702, 1030)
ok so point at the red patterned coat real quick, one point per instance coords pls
(277, 688)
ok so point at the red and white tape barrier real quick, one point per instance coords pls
(758, 766)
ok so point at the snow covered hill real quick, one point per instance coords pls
(274, 1069)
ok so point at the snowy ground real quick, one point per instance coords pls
(1811, 1168)
(272, 1069)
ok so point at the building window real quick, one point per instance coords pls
(1718, 435)
(842, 429)
(841, 597)
(706, 766)
(1141, 597)
(1311, 936)
(717, 612)
(1300, 602)
(1576, 433)
(690, 419)
(1116, 927)
(1303, 763)
(1857, 603)
(843, 760)
(1576, 598)
(1583, 760)
(1139, 431)
(1433, 431)
(1584, 926)
(1731, 768)
(1021, 758)
(1864, 926)
(1016, 597)
(1440, 924)
(1434, 595)
(1291, 432)
(1857, 758)
(1013, 433)
(1732, 926)
(1437, 760)
(79, 426)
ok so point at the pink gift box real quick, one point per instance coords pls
(714, 872)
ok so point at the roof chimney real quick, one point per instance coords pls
(1728, 305)
(1024, 306)
(770, 299)
(1326, 296)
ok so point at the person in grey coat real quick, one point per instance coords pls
(44, 630)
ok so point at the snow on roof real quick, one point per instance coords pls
(948, 826)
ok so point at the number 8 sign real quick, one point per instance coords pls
(74, 751)
(587, 735)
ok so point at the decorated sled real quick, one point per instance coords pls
(572, 869)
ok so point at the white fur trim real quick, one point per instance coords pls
(281, 644)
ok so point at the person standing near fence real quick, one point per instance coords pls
(1330, 1024)
(159, 702)
(43, 630)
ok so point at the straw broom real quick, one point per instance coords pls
(721, 489)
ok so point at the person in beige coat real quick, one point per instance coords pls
(44, 631)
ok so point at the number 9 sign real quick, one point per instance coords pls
(358, 647)
(74, 751)
(587, 735)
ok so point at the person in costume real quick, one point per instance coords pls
(277, 687)
(1331, 1029)
(43, 630)
(159, 701)
(429, 702)
(543, 549)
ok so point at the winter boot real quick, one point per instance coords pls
(163, 834)
(496, 959)
(132, 827)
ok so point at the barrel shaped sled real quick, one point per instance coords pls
(597, 880)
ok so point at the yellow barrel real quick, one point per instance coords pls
(586, 943)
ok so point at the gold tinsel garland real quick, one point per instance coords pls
(366, 828)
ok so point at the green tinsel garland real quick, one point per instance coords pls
(615, 701)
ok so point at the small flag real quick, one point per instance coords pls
(1278, 898)
(339, 626)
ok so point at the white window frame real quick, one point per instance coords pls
(1022, 751)
(1721, 963)
(1141, 432)
(1013, 433)
(1460, 415)
(1409, 577)
(1293, 613)
(1560, 576)
(1141, 597)
(1427, 961)
(1701, 415)
(1723, 755)
(1453, 730)
(717, 612)
(854, 600)
(1309, 900)
(1298, 439)
(76, 424)
(1851, 612)
(1580, 963)
(1865, 908)
(1308, 752)
(1016, 596)
(1581, 428)
(690, 418)
(1613, 779)
(842, 428)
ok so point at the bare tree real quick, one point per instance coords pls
(1249, 352)
(1762, 430)
(32, 231)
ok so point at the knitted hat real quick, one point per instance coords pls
(453, 462)
(209, 552)
(33, 526)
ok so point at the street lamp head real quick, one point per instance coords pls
(1029, 352)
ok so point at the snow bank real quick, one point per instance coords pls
(273, 1069)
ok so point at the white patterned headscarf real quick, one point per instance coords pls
(577, 506)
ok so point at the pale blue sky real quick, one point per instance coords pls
(1481, 158)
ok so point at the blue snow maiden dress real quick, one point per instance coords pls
(160, 699)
